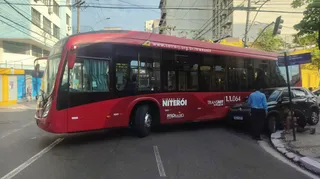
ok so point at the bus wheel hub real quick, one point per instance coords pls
(147, 120)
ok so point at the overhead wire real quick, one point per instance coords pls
(20, 30)
(155, 8)
(19, 12)
(188, 11)
(214, 17)
(24, 27)
(257, 15)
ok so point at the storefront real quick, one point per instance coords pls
(9, 85)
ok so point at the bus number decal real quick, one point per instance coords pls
(216, 102)
(233, 98)
(174, 102)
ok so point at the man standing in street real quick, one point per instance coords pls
(259, 108)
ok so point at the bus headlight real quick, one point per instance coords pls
(47, 107)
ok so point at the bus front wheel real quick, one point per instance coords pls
(142, 120)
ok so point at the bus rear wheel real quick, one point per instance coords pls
(142, 121)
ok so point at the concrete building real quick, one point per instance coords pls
(152, 26)
(29, 31)
(227, 18)
(185, 22)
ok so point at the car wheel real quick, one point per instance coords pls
(272, 124)
(314, 117)
(142, 121)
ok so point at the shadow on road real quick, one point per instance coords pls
(109, 135)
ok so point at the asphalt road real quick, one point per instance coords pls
(192, 151)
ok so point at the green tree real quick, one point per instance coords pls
(309, 40)
(311, 17)
(267, 42)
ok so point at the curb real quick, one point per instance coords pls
(306, 162)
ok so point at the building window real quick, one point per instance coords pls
(56, 8)
(56, 31)
(46, 2)
(36, 51)
(16, 47)
(35, 17)
(67, 20)
(45, 53)
(47, 25)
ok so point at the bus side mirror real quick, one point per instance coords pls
(71, 57)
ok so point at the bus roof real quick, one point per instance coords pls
(167, 42)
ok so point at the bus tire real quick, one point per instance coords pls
(142, 120)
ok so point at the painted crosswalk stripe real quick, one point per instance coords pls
(31, 160)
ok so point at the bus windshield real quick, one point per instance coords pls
(49, 76)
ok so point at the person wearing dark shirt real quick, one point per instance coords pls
(259, 108)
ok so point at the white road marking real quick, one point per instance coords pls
(31, 160)
(159, 162)
(16, 130)
(266, 146)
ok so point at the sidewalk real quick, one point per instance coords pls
(305, 151)
(20, 106)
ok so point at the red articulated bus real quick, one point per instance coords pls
(102, 79)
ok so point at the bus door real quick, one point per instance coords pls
(180, 77)
(89, 90)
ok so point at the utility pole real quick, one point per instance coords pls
(78, 16)
(78, 5)
(247, 24)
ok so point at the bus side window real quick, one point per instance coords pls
(89, 75)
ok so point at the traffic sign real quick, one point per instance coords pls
(295, 59)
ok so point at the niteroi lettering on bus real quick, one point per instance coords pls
(174, 102)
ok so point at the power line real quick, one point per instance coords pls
(23, 27)
(213, 18)
(11, 5)
(257, 14)
(187, 11)
(157, 8)
(20, 30)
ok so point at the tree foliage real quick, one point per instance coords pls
(311, 17)
(309, 40)
(267, 42)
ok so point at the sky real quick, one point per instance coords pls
(127, 19)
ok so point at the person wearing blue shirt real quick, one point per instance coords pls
(259, 108)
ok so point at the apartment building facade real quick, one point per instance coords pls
(227, 18)
(29, 31)
(152, 26)
(177, 19)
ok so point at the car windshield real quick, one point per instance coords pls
(50, 73)
(271, 95)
